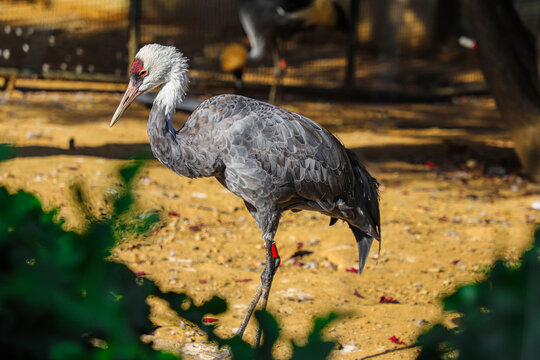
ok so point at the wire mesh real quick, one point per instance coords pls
(399, 48)
(63, 37)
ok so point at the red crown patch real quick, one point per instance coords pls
(137, 66)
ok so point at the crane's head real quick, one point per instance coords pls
(153, 66)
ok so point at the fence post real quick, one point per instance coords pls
(351, 52)
(134, 28)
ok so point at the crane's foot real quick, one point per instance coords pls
(272, 263)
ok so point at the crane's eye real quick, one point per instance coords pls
(143, 73)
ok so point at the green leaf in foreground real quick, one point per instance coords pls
(6, 152)
(500, 315)
(316, 347)
(58, 295)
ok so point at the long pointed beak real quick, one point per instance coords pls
(131, 94)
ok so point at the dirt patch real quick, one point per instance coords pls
(451, 203)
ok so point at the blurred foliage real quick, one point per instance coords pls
(6, 152)
(500, 316)
(60, 299)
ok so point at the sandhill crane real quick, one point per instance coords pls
(268, 22)
(273, 159)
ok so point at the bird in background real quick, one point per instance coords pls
(233, 60)
(273, 159)
(267, 23)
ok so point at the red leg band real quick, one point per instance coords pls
(274, 250)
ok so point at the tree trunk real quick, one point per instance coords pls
(507, 54)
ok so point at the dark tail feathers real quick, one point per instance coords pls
(367, 199)
(363, 241)
(366, 194)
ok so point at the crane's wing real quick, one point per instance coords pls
(296, 153)
(265, 151)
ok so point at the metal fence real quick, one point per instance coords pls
(401, 46)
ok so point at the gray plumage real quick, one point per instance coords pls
(273, 159)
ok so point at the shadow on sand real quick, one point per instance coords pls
(447, 154)
(107, 151)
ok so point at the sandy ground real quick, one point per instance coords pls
(451, 203)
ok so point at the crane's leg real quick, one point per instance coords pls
(267, 220)
(279, 72)
(272, 263)
(249, 311)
